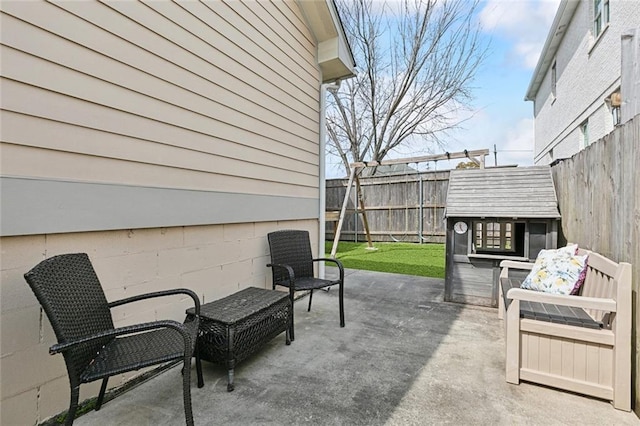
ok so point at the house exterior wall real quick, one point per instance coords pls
(163, 139)
(170, 104)
(213, 260)
(588, 70)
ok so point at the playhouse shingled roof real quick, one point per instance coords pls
(511, 192)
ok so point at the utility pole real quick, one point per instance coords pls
(495, 155)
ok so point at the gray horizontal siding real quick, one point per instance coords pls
(37, 206)
(520, 192)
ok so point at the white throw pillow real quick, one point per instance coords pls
(557, 271)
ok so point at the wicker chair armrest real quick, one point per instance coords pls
(171, 292)
(584, 302)
(336, 261)
(329, 259)
(289, 269)
(131, 329)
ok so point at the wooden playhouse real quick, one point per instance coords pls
(491, 215)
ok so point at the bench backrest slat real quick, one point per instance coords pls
(600, 281)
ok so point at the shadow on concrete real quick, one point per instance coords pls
(404, 357)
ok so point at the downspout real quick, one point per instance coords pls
(322, 185)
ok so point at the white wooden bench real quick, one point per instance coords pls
(577, 343)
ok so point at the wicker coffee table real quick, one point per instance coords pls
(234, 327)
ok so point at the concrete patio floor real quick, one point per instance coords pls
(405, 357)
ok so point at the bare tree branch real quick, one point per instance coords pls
(417, 60)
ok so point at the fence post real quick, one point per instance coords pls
(630, 75)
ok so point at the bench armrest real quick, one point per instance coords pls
(505, 265)
(607, 305)
(514, 264)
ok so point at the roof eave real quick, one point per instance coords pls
(334, 54)
(523, 216)
(565, 12)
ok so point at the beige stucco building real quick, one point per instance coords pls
(163, 139)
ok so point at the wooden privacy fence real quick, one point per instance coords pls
(407, 207)
(598, 193)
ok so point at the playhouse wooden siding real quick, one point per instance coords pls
(178, 108)
(522, 196)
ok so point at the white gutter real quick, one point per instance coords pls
(322, 184)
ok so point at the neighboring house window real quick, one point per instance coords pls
(615, 115)
(493, 236)
(554, 79)
(600, 16)
(584, 133)
(614, 102)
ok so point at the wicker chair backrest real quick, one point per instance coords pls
(293, 248)
(70, 293)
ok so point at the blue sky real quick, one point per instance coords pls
(516, 31)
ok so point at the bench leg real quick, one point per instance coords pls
(500, 303)
(512, 343)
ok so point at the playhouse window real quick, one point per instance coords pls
(493, 236)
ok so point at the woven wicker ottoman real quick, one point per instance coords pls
(234, 327)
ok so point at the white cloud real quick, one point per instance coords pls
(524, 22)
(517, 147)
(519, 16)
(528, 53)
(512, 139)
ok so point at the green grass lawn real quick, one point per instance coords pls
(426, 260)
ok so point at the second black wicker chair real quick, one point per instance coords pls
(292, 267)
(70, 293)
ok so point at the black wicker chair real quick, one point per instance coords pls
(292, 266)
(71, 295)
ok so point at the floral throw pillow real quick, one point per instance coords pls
(557, 271)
